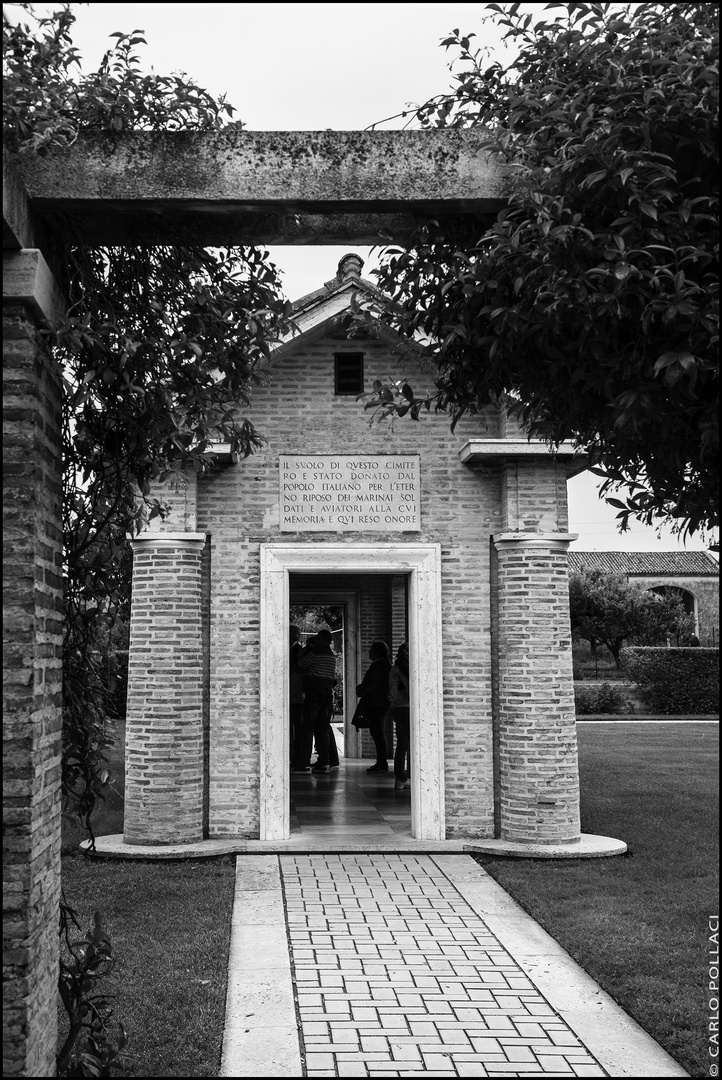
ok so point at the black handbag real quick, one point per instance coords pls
(358, 719)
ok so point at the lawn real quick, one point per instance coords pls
(170, 924)
(638, 923)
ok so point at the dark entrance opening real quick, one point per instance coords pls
(349, 805)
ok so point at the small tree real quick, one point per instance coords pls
(606, 609)
(592, 299)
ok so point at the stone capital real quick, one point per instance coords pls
(184, 540)
(27, 279)
(556, 542)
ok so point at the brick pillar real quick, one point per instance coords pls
(164, 726)
(399, 618)
(538, 772)
(32, 643)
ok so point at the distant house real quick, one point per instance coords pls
(692, 574)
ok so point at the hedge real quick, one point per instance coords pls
(607, 698)
(675, 681)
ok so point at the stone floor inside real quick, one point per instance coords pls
(349, 804)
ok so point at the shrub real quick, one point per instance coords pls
(600, 699)
(676, 681)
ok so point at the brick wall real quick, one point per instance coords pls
(534, 496)
(707, 594)
(399, 614)
(239, 507)
(177, 496)
(164, 755)
(32, 633)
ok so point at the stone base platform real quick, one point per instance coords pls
(588, 847)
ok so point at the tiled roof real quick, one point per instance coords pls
(674, 563)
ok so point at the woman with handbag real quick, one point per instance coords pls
(373, 692)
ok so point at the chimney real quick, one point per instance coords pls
(349, 267)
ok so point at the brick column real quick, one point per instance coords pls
(32, 683)
(538, 772)
(164, 726)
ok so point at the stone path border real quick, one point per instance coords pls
(274, 962)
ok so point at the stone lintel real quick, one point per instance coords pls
(491, 451)
(242, 186)
(27, 279)
(556, 541)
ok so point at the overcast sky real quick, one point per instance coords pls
(309, 67)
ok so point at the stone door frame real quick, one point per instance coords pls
(422, 564)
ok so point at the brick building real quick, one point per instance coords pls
(693, 575)
(456, 542)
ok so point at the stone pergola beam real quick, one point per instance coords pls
(283, 187)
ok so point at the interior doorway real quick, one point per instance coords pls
(316, 602)
(294, 569)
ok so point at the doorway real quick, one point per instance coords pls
(420, 564)
(348, 805)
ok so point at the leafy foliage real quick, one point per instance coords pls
(92, 1046)
(591, 700)
(48, 99)
(676, 681)
(592, 300)
(606, 609)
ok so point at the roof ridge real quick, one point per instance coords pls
(647, 562)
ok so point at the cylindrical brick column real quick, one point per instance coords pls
(537, 755)
(164, 726)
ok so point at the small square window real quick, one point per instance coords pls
(348, 373)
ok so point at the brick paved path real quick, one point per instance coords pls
(396, 975)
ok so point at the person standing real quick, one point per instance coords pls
(373, 692)
(400, 713)
(318, 663)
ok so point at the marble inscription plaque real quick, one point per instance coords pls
(350, 493)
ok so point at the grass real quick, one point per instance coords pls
(169, 923)
(638, 923)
